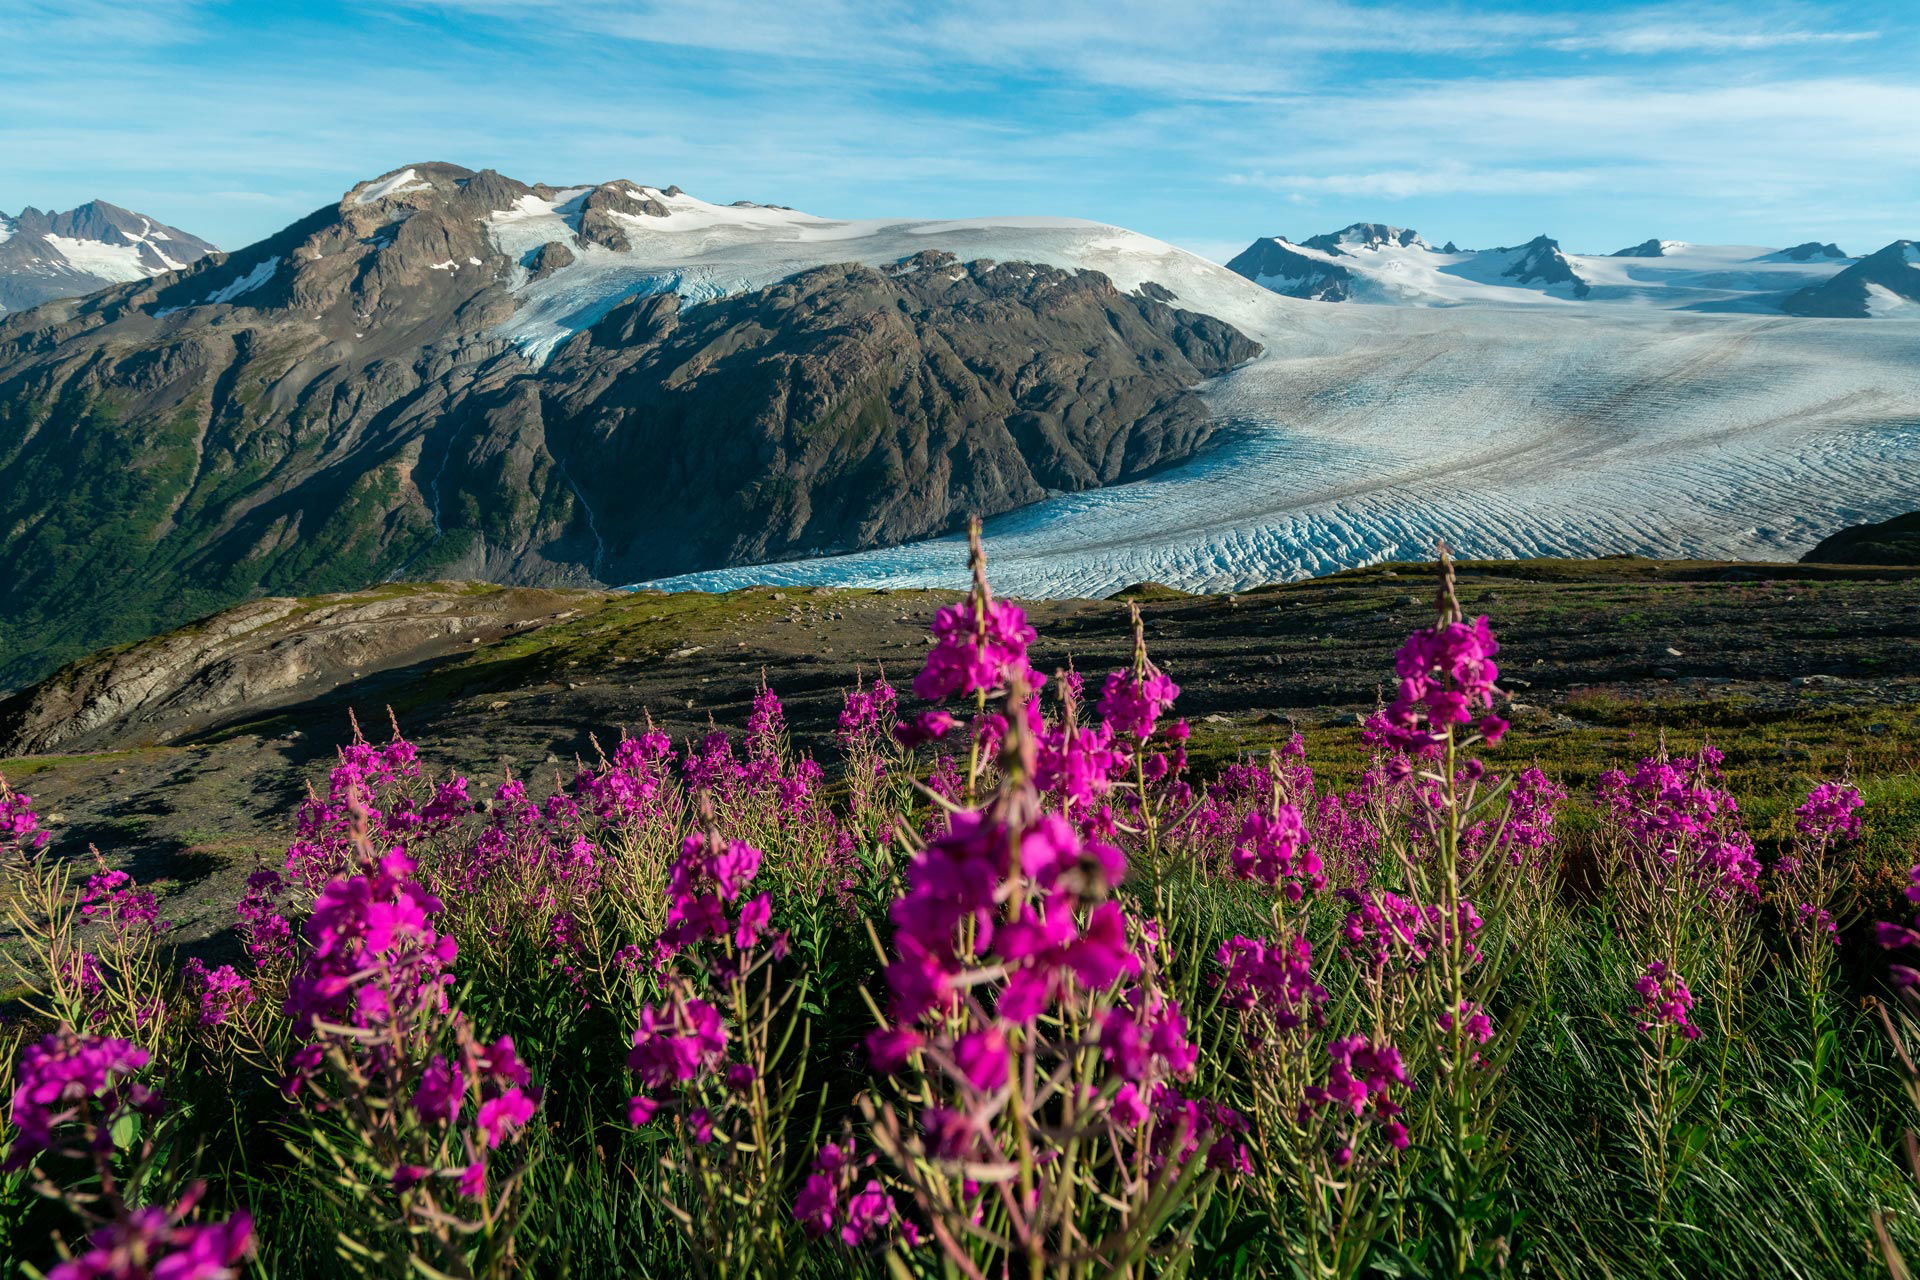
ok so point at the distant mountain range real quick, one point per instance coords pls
(63, 255)
(1374, 263)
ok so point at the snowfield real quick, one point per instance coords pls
(1366, 432)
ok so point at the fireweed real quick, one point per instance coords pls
(1124, 1020)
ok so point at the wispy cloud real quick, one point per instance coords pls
(1193, 122)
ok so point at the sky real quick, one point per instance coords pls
(1207, 123)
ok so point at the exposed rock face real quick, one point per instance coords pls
(64, 255)
(333, 407)
(1895, 541)
(1809, 251)
(850, 407)
(1883, 283)
(263, 655)
(1539, 261)
(1277, 265)
(1654, 248)
(1365, 235)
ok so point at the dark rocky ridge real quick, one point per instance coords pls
(331, 408)
(1891, 542)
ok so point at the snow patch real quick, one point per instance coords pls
(116, 262)
(261, 273)
(394, 184)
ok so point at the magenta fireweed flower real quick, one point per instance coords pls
(1385, 930)
(1677, 814)
(373, 949)
(1900, 936)
(1079, 765)
(20, 833)
(222, 992)
(1361, 1078)
(1447, 676)
(1132, 705)
(864, 714)
(113, 899)
(264, 929)
(57, 1075)
(1145, 1037)
(153, 1244)
(1274, 982)
(973, 653)
(1272, 850)
(676, 1042)
(831, 1202)
(1665, 1000)
(766, 725)
(1830, 812)
(928, 726)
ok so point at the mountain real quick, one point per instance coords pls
(1366, 235)
(1649, 249)
(1810, 251)
(1275, 264)
(1884, 283)
(1375, 263)
(1540, 262)
(63, 255)
(456, 373)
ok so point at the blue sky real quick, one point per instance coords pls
(1203, 122)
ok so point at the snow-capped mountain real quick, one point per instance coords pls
(64, 255)
(1886, 283)
(1370, 263)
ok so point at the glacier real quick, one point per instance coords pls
(1636, 422)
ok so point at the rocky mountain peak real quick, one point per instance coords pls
(1366, 235)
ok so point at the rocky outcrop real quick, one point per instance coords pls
(1891, 542)
(334, 407)
(263, 655)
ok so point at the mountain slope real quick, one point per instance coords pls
(1885, 283)
(64, 255)
(456, 374)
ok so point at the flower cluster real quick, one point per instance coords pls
(1447, 676)
(154, 1243)
(63, 1074)
(1831, 812)
(1272, 850)
(1665, 1000)
(222, 992)
(978, 646)
(1361, 1078)
(20, 833)
(834, 1203)
(1133, 704)
(1276, 982)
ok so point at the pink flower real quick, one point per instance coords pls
(974, 653)
(982, 1058)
